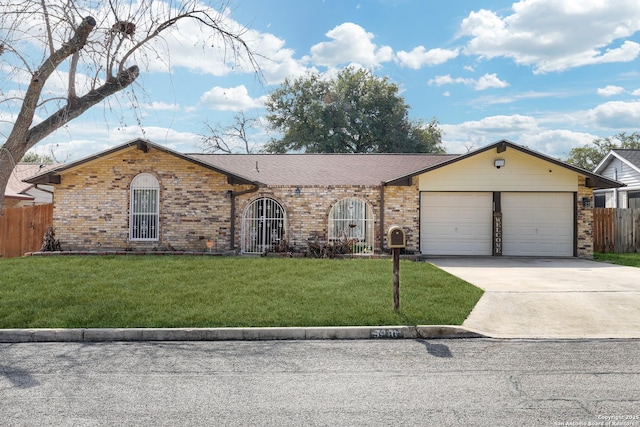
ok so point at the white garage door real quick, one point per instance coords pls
(456, 223)
(537, 224)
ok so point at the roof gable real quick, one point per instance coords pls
(53, 176)
(593, 180)
(628, 156)
(631, 156)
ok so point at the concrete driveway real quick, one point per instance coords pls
(550, 298)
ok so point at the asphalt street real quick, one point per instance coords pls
(463, 382)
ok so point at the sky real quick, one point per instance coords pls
(551, 75)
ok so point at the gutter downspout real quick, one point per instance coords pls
(382, 185)
(232, 227)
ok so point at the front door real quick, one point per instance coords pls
(262, 226)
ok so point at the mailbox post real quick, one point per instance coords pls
(397, 241)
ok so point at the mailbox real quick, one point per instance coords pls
(396, 237)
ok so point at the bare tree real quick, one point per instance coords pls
(231, 138)
(93, 50)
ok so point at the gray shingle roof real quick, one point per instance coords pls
(322, 169)
(632, 156)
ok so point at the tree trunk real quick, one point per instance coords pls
(23, 136)
(10, 154)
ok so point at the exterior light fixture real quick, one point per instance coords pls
(298, 191)
(498, 163)
(586, 202)
(229, 194)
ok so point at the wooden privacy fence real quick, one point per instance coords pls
(616, 230)
(22, 229)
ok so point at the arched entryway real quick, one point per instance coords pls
(352, 219)
(263, 225)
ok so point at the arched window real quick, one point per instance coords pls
(263, 224)
(144, 208)
(352, 218)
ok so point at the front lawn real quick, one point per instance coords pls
(186, 291)
(630, 259)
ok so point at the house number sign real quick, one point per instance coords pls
(497, 233)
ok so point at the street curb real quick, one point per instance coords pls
(236, 334)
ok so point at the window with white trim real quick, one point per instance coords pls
(144, 208)
(352, 218)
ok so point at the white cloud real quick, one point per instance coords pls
(192, 46)
(82, 140)
(419, 56)
(501, 123)
(350, 43)
(460, 138)
(230, 99)
(616, 115)
(161, 106)
(636, 92)
(556, 142)
(490, 81)
(610, 90)
(542, 33)
(445, 80)
(485, 82)
(522, 130)
(275, 61)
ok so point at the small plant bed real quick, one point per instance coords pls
(183, 291)
(630, 259)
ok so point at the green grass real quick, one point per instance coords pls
(185, 291)
(631, 259)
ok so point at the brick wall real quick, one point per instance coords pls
(584, 221)
(91, 205)
(402, 208)
(307, 215)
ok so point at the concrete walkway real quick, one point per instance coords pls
(550, 298)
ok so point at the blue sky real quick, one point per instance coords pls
(548, 74)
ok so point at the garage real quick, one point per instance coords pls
(505, 199)
(456, 223)
(537, 224)
(461, 223)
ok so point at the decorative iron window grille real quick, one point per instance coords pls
(144, 208)
(352, 219)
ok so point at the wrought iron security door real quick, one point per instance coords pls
(263, 225)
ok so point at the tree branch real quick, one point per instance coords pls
(48, 25)
(32, 96)
(75, 108)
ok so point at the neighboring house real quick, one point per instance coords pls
(501, 199)
(19, 193)
(623, 166)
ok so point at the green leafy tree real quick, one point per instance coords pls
(32, 157)
(355, 112)
(589, 156)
